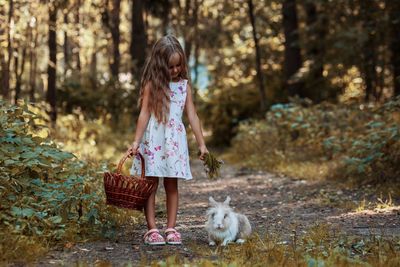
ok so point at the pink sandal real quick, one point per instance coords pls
(173, 237)
(153, 237)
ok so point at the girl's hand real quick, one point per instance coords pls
(133, 150)
(203, 152)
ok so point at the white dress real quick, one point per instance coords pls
(164, 146)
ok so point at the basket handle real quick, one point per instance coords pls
(122, 161)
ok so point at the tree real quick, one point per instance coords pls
(6, 57)
(258, 57)
(111, 19)
(78, 27)
(292, 61)
(394, 20)
(3, 60)
(138, 39)
(66, 43)
(191, 14)
(190, 31)
(369, 55)
(19, 70)
(161, 9)
(52, 64)
(33, 36)
(316, 24)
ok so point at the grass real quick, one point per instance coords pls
(319, 247)
(27, 248)
(311, 170)
(299, 164)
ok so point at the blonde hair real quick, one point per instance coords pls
(156, 75)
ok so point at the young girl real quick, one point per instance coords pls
(160, 134)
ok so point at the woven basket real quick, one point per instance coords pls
(129, 192)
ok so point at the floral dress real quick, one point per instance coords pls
(164, 146)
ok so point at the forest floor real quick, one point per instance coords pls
(275, 205)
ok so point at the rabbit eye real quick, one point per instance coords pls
(213, 215)
(225, 216)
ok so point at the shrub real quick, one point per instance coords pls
(46, 194)
(364, 139)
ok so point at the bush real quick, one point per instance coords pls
(46, 194)
(98, 98)
(364, 139)
(225, 110)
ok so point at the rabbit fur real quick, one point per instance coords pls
(224, 225)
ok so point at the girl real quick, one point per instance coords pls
(160, 134)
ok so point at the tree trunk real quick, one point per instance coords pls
(6, 60)
(52, 65)
(394, 20)
(369, 57)
(32, 64)
(66, 45)
(93, 69)
(138, 39)
(78, 45)
(165, 16)
(260, 76)
(17, 83)
(316, 35)
(93, 65)
(10, 44)
(196, 68)
(19, 71)
(292, 61)
(187, 28)
(115, 35)
(196, 41)
(3, 60)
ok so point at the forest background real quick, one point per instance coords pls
(306, 88)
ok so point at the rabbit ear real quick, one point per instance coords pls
(212, 201)
(227, 200)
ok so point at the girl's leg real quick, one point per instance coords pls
(150, 207)
(171, 190)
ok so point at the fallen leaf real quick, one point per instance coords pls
(69, 245)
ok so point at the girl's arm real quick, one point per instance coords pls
(195, 122)
(142, 121)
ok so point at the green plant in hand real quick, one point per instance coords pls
(211, 165)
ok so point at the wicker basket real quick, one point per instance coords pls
(129, 192)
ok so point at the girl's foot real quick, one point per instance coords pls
(153, 237)
(173, 237)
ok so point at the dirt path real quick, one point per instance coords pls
(275, 205)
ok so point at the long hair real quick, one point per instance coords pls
(156, 75)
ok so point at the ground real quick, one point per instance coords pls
(276, 205)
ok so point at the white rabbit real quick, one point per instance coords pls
(224, 225)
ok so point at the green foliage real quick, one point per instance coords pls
(371, 151)
(364, 140)
(98, 98)
(46, 194)
(226, 109)
(211, 165)
(93, 139)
